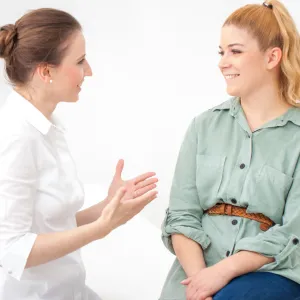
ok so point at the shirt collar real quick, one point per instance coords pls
(23, 108)
(233, 106)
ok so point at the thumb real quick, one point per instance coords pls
(119, 168)
(186, 281)
(115, 201)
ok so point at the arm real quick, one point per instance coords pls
(243, 262)
(90, 214)
(278, 246)
(189, 254)
(19, 247)
(51, 246)
(183, 217)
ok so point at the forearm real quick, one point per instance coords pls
(90, 214)
(189, 254)
(50, 246)
(243, 262)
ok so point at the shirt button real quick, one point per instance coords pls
(242, 166)
(9, 271)
(233, 201)
(227, 253)
(295, 241)
(234, 222)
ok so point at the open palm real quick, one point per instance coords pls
(134, 187)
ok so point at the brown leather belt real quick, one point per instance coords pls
(231, 210)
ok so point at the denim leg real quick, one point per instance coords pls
(260, 286)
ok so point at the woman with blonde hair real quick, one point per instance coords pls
(233, 220)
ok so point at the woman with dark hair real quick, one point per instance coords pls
(41, 227)
(233, 220)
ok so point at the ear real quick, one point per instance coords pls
(273, 57)
(44, 72)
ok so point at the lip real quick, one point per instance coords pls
(228, 78)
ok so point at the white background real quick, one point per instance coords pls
(155, 68)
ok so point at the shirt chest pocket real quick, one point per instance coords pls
(271, 188)
(209, 173)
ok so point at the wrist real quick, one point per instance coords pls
(227, 268)
(194, 272)
(100, 229)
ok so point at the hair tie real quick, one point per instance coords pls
(268, 5)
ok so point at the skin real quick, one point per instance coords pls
(257, 86)
(49, 86)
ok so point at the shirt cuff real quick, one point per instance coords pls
(196, 234)
(15, 256)
(283, 254)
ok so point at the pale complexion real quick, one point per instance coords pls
(48, 86)
(253, 76)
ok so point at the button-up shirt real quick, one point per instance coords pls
(222, 161)
(39, 193)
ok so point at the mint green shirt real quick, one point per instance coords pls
(222, 161)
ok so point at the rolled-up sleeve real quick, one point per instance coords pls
(18, 175)
(184, 213)
(282, 241)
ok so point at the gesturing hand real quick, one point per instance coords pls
(135, 187)
(120, 210)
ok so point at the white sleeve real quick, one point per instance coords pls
(18, 177)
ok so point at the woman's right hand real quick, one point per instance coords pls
(119, 210)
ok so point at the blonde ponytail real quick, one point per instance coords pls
(273, 26)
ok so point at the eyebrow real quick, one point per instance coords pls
(81, 57)
(232, 45)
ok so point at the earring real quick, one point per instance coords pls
(51, 80)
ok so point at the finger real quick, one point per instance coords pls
(190, 292)
(202, 295)
(195, 292)
(144, 190)
(143, 177)
(135, 206)
(119, 168)
(143, 199)
(132, 209)
(186, 281)
(145, 183)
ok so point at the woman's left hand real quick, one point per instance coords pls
(135, 187)
(206, 283)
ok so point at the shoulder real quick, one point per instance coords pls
(214, 112)
(12, 125)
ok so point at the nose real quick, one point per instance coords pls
(224, 62)
(88, 70)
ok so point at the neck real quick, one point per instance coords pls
(264, 104)
(40, 102)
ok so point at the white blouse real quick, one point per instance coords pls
(39, 193)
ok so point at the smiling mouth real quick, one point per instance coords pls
(231, 76)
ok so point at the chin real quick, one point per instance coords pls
(71, 99)
(233, 92)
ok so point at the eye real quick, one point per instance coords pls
(221, 53)
(81, 62)
(236, 51)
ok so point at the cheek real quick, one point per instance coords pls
(72, 75)
(254, 65)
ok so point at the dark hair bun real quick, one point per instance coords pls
(8, 35)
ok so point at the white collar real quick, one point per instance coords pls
(31, 114)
